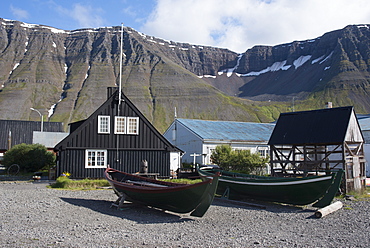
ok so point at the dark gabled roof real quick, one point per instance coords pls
(229, 130)
(22, 131)
(74, 125)
(149, 137)
(324, 126)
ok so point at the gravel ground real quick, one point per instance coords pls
(33, 215)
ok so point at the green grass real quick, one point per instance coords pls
(363, 195)
(90, 184)
(85, 184)
(182, 180)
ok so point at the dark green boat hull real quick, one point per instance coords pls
(178, 198)
(296, 191)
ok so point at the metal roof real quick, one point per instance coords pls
(229, 130)
(22, 131)
(322, 126)
(364, 121)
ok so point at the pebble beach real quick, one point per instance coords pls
(33, 215)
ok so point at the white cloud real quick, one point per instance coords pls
(19, 14)
(241, 24)
(85, 15)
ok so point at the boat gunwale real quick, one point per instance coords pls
(172, 187)
(277, 183)
(241, 185)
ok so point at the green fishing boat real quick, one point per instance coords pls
(179, 198)
(290, 190)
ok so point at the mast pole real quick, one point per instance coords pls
(120, 67)
(120, 89)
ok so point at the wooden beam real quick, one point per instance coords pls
(328, 209)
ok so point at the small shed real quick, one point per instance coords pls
(118, 135)
(198, 138)
(319, 140)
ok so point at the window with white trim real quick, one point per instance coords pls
(126, 125)
(263, 152)
(120, 125)
(103, 124)
(96, 159)
(132, 125)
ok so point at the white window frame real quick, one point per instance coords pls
(100, 124)
(129, 125)
(95, 159)
(117, 120)
(263, 152)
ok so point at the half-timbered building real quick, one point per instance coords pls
(319, 140)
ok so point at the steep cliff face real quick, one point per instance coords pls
(65, 74)
(333, 67)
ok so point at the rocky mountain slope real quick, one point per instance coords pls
(333, 67)
(64, 74)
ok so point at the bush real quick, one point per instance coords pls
(61, 183)
(30, 158)
(238, 160)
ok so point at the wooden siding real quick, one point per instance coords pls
(149, 144)
(86, 135)
(22, 131)
(129, 161)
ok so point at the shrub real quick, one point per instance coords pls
(238, 160)
(61, 182)
(30, 158)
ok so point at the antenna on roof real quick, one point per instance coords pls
(175, 113)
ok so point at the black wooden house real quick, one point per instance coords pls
(319, 140)
(117, 135)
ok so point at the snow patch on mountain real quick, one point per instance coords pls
(230, 71)
(328, 57)
(207, 76)
(275, 67)
(280, 65)
(301, 60)
(318, 59)
(15, 67)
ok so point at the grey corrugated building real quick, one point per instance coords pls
(198, 138)
(364, 121)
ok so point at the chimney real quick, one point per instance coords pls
(110, 91)
(329, 105)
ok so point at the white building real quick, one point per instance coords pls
(364, 121)
(198, 138)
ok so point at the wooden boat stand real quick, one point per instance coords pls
(226, 198)
(119, 202)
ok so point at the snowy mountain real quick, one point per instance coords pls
(65, 74)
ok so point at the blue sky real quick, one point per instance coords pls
(234, 24)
